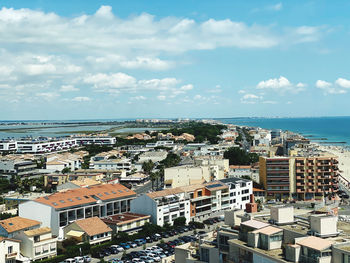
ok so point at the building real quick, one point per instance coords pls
(301, 178)
(12, 226)
(85, 182)
(240, 191)
(112, 164)
(38, 243)
(10, 250)
(13, 199)
(126, 222)
(45, 145)
(11, 168)
(192, 202)
(59, 209)
(8, 146)
(274, 176)
(89, 230)
(57, 162)
(136, 178)
(53, 181)
(101, 139)
(154, 156)
(186, 175)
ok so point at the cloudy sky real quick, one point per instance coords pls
(141, 59)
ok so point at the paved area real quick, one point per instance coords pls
(207, 228)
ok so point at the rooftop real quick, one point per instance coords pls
(86, 195)
(37, 231)
(254, 224)
(269, 230)
(17, 223)
(124, 218)
(93, 226)
(315, 243)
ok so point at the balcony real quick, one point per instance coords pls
(11, 255)
(300, 170)
(300, 191)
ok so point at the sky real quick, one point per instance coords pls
(173, 59)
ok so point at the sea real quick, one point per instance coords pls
(326, 130)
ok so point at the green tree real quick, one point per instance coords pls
(180, 221)
(148, 166)
(238, 156)
(66, 170)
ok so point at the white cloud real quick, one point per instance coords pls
(250, 98)
(282, 84)
(81, 99)
(344, 83)
(138, 98)
(68, 88)
(276, 7)
(48, 95)
(338, 87)
(269, 102)
(241, 91)
(161, 97)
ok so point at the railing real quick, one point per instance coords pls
(11, 255)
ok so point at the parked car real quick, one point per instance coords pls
(117, 247)
(165, 235)
(147, 259)
(79, 260)
(106, 251)
(70, 260)
(97, 254)
(149, 240)
(131, 244)
(124, 245)
(87, 259)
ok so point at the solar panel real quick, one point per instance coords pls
(213, 185)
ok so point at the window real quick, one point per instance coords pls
(204, 254)
(10, 250)
(36, 238)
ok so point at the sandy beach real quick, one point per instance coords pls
(343, 158)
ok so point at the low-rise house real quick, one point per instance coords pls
(38, 243)
(90, 230)
(10, 250)
(127, 222)
(154, 156)
(86, 182)
(12, 226)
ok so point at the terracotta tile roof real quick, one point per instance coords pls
(124, 218)
(37, 231)
(17, 223)
(315, 243)
(93, 226)
(86, 195)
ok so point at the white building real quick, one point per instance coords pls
(17, 167)
(57, 162)
(45, 145)
(10, 250)
(95, 139)
(113, 164)
(262, 137)
(8, 145)
(61, 208)
(154, 156)
(163, 206)
(240, 191)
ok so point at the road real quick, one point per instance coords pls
(143, 188)
(208, 228)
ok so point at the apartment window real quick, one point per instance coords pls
(191, 195)
(10, 250)
(199, 193)
(204, 254)
(36, 238)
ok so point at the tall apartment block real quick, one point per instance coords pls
(301, 178)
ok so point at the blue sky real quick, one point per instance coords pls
(150, 59)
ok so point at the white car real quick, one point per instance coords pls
(79, 260)
(137, 260)
(154, 256)
(70, 260)
(119, 248)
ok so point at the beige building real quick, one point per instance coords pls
(90, 230)
(38, 243)
(9, 250)
(126, 222)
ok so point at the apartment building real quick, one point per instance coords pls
(301, 178)
(186, 175)
(52, 181)
(10, 167)
(113, 164)
(57, 162)
(154, 156)
(10, 251)
(45, 145)
(192, 202)
(59, 209)
(240, 191)
(38, 243)
(275, 177)
(8, 146)
(102, 139)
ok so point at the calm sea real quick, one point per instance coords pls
(334, 129)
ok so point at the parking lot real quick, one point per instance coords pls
(118, 256)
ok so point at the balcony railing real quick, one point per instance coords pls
(11, 255)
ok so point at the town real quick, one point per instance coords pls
(201, 191)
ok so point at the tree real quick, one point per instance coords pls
(171, 160)
(65, 170)
(180, 221)
(238, 156)
(148, 166)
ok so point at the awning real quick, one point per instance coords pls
(74, 233)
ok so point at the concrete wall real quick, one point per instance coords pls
(145, 205)
(40, 212)
(324, 225)
(282, 215)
